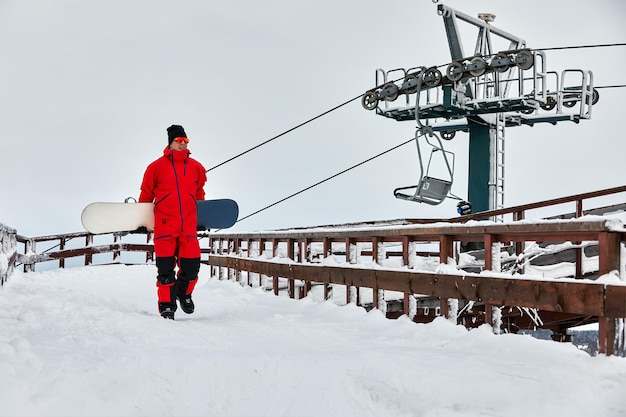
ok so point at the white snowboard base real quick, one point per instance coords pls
(107, 217)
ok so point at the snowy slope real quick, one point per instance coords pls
(88, 341)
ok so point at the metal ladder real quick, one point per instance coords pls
(496, 183)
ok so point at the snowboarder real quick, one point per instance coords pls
(174, 182)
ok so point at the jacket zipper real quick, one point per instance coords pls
(180, 203)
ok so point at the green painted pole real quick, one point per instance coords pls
(479, 166)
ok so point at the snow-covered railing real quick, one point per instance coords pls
(300, 259)
(63, 247)
(8, 252)
(304, 260)
(579, 203)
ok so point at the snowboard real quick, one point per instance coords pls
(107, 217)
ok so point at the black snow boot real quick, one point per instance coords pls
(166, 310)
(186, 303)
(187, 278)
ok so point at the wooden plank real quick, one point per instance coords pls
(551, 230)
(545, 203)
(93, 250)
(488, 252)
(606, 335)
(550, 295)
(616, 301)
(609, 247)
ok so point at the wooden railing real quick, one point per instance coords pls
(307, 257)
(578, 201)
(59, 251)
(409, 266)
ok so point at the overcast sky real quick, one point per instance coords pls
(89, 87)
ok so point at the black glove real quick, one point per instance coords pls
(141, 229)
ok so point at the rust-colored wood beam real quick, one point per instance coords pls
(551, 295)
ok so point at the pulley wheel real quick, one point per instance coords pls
(432, 77)
(595, 96)
(500, 62)
(448, 134)
(477, 66)
(570, 103)
(549, 104)
(455, 71)
(409, 86)
(369, 101)
(524, 59)
(389, 91)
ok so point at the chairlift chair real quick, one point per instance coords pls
(429, 190)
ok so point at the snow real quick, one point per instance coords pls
(4, 264)
(88, 341)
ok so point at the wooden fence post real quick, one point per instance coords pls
(291, 283)
(88, 242)
(30, 248)
(62, 246)
(150, 254)
(376, 299)
(275, 243)
(327, 249)
(305, 257)
(446, 251)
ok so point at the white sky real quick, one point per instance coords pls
(246, 352)
(88, 89)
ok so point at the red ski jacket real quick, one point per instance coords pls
(174, 182)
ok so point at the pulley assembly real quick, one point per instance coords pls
(482, 94)
(423, 79)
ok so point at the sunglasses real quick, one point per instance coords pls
(181, 140)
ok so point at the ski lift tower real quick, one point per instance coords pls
(481, 94)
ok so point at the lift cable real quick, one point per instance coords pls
(285, 132)
(579, 46)
(329, 178)
(373, 157)
(548, 49)
(610, 86)
(360, 95)
(347, 169)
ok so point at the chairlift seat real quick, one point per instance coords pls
(430, 190)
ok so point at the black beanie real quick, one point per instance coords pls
(173, 132)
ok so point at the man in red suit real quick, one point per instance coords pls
(174, 182)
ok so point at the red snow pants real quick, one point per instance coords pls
(171, 251)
